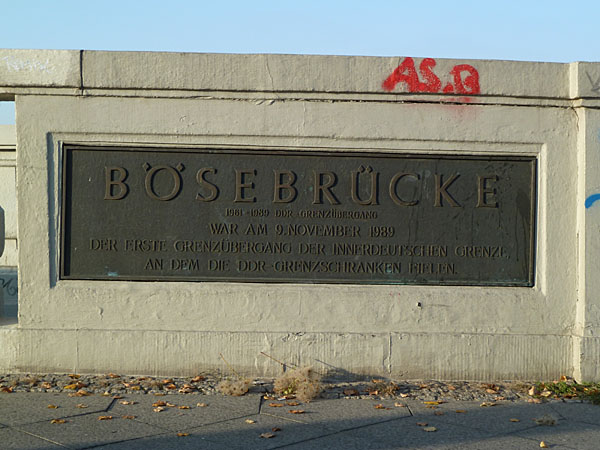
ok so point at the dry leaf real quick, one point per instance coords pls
(167, 381)
(532, 391)
(45, 385)
(159, 394)
(546, 393)
(377, 381)
(201, 405)
(128, 417)
(297, 411)
(421, 424)
(276, 405)
(438, 413)
(534, 400)
(198, 379)
(117, 397)
(404, 395)
(183, 434)
(51, 406)
(431, 407)
(430, 429)
(292, 403)
(350, 392)
(136, 388)
(158, 409)
(80, 393)
(171, 405)
(127, 402)
(380, 406)
(460, 411)
(74, 376)
(543, 445)
(491, 391)
(105, 418)
(515, 420)
(159, 403)
(80, 405)
(142, 378)
(433, 403)
(487, 404)
(267, 435)
(8, 390)
(250, 421)
(563, 378)
(451, 388)
(58, 421)
(274, 429)
(183, 407)
(170, 386)
(500, 398)
(75, 386)
(400, 405)
(113, 375)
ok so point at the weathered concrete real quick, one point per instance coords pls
(307, 102)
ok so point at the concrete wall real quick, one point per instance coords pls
(8, 203)
(309, 102)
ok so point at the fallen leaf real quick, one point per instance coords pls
(438, 413)
(80, 393)
(267, 435)
(433, 403)
(515, 420)
(534, 400)
(563, 378)
(159, 403)
(105, 418)
(451, 388)
(547, 420)
(500, 398)
(198, 379)
(136, 388)
(80, 405)
(74, 376)
(128, 417)
(167, 381)
(545, 393)
(58, 421)
(45, 385)
(183, 434)
(491, 391)
(543, 445)
(201, 405)
(142, 378)
(170, 386)
(431, 407)
(75, 386)
(400, 405)
(350, 392)
(380, 406)
(250, 421)
(159, 394)
(117, 397)
(422, 424)
(430, 429)
(52, 407)
(183, 407)
(532, 391)
(276, 405)
(297, 411)
(171, 405)
(487, 404)
(377, 381)
(113, 375)
(274, 429)
(71, 386)
(158, 409)
(404, 395)
(460, 411)
(127, 402)
(292, 403)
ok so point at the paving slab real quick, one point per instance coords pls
(11, 439)
(87, 431)
(567, 433)
(504, 417)
(577, 411)
(219, 408)
(27, 407)
(339, 414)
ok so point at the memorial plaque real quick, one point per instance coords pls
(257, 215)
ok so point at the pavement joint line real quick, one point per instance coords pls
(110, 406)
(121, 441)
(38, 436)
(289, 419)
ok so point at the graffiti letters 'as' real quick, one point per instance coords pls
(464, 78)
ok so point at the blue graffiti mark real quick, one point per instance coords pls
(591, 199)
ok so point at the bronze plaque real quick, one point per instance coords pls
(297, 216)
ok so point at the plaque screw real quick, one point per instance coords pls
(419, 305)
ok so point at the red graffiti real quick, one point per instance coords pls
(407, 73)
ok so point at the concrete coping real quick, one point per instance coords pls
(457, 80)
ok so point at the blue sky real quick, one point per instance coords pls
(554, 31)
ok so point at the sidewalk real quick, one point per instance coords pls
(31, 420)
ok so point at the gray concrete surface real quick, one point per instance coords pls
(238, 423)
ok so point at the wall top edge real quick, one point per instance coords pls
(114, 70)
